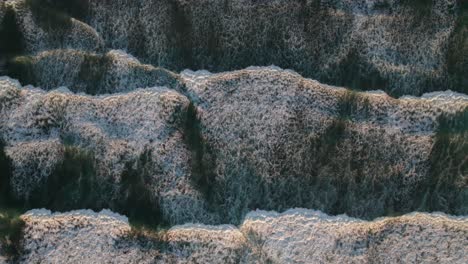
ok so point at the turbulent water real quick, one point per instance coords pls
(170, 113)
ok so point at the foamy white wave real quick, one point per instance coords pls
(294, 236)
